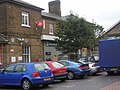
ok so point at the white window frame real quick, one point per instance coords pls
(26, 54)
(51, 28)
(25, 19)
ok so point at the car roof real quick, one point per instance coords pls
(67, 60)
(72, 62)
(26, 63)
(49, 61)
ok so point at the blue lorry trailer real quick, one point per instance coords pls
(109, 56)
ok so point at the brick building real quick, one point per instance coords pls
(113, 31)
(18, 26)
(48, 36)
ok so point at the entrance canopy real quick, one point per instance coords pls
(3, 40)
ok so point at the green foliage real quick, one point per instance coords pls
(75, 33)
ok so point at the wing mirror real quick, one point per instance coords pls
(2, 71)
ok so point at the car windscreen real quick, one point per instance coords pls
(41, 66)
(57, 65)
(82, 59)
(93, 58)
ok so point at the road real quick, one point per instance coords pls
(97, 82)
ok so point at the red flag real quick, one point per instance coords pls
(41, 23)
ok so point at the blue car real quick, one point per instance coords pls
(75, 69)
(26, 75)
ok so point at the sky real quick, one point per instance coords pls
(103, 12)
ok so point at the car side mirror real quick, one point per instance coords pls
(2, 71)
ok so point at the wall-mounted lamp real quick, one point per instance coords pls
(20, 40)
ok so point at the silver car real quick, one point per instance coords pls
(92, 62)
(94, 68)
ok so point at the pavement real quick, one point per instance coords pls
(114, 86)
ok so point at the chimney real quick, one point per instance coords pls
(54, 7)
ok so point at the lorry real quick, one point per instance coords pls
(109, 56)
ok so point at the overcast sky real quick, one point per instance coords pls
(104, 12)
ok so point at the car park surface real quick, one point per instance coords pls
(75, 69)
(26, 75)
(101, 81)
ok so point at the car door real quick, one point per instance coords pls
(5, 76)
(1, 77)
(18, 74)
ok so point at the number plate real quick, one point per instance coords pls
(86, 67)
(46, 79)
(113, 69)
(61, 71)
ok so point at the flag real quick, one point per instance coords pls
(40, 23)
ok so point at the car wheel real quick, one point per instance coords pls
(26, 84)
(70, 75)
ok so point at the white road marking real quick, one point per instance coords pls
(68, 86)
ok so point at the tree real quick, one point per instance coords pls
(75, 33)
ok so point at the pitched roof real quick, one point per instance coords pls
(22, 3)
(112, 27)
(51, 15)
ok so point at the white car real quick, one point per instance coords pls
(94, 68)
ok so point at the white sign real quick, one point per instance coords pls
(20, 58)
(13, 59)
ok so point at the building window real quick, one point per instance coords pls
(25, 19)
(26, 53)
(51, 28)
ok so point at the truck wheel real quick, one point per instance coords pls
(110, 73)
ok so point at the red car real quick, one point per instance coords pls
(58, 70)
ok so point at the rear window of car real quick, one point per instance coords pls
(77, 63)
(41, 66)
(57, 65)
(80, 62)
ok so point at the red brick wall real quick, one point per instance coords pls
(12, 27)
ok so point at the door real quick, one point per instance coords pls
(6, 75)
(18, 74)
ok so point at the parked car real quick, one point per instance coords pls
(75, 69)
(92, 61)
(94, 58)
(58, 70)
(26, 75)
(94, 68)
